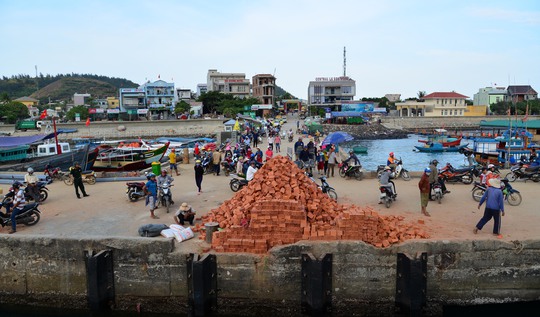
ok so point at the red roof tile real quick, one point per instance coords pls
(451, 94)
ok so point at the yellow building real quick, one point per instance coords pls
(28, 102)
(476, 111)
(437, 104)
(113, 103)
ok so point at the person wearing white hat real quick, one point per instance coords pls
(184, 213)
(494, 199)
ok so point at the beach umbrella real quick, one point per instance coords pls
(337, 137)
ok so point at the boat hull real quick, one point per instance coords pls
(106, 162)
(438, 149)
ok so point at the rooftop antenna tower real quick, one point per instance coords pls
(344, 61)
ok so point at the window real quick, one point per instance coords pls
(346, 89)
(317, 89)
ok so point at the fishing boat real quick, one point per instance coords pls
(438, 147)
(85, 156)
(511, 146)
(441, 136)
(359, 149)
(114, 159)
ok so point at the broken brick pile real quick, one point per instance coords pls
(281, 205)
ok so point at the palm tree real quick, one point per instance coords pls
(421, 94)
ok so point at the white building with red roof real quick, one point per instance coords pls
(436, 104)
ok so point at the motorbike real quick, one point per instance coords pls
(464, 175)
(511, 195)
(164, 195)
(53, 173)
(87, 177)
(29, 215)
(291, 137)
(354, 171)
(523, 171)
(43, 193)
(387, 195)
(237, 183)
(206, 163)
(438, 193)
(325, 187)
(399, 171)
(135, 190)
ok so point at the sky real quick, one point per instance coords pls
(392, 47)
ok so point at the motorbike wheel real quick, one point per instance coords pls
(511, 177)
(43, 195)
(466, 179)
(235, 185)
(514, 199)
(477, 194)
(332, 194)
(34, 218)
(68, 181)
(405, 175)
(536, 178)
(341, 172)
(91, 180)
(387, 202)
(132, 196)
(438, 197)
(167, 205)
(359, 175)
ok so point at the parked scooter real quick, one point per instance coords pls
(438, 193)
(29, 215)
(164, 195)
(135, 190)
(354, 171)
(325, 187)
(511, 195)
(464, 175)
(53, 173)
(237, 183)
(87, 177)
(398, 172)
(523, 171)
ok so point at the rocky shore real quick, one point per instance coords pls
(367, 131)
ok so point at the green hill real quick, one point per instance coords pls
(62, 87)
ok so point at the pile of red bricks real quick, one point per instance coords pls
(281, 205)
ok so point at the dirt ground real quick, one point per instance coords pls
(109, 213)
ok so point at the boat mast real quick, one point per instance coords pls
(58, 148)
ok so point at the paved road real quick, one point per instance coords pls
(108, 212)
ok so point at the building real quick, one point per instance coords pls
(516, 94)
(489, 95)
(228, 83)
(80, 99)
(133, 101)
(434, 105)
(113, 103)
(393, 97)
(330, 92)
(183, 94)
(201, 89)
(263, 87)
(159, 98)
(31, 104)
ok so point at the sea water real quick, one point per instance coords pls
(378, 151)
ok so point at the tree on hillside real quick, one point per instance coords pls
(82, 110)
(12, 111)
(4, 97)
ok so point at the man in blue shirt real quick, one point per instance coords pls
(494, 207)
(150, 189)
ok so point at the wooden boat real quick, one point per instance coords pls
(13, 153)
(438, 147)
(359, 149)
(85, 156)
(441, 136)
(127, 158)
(511, 146)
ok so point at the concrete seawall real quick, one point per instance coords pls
(49, 271)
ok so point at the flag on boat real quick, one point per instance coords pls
(43, 114)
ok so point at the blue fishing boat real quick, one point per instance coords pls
(438, 147)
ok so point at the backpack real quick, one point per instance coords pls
(151, 230)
